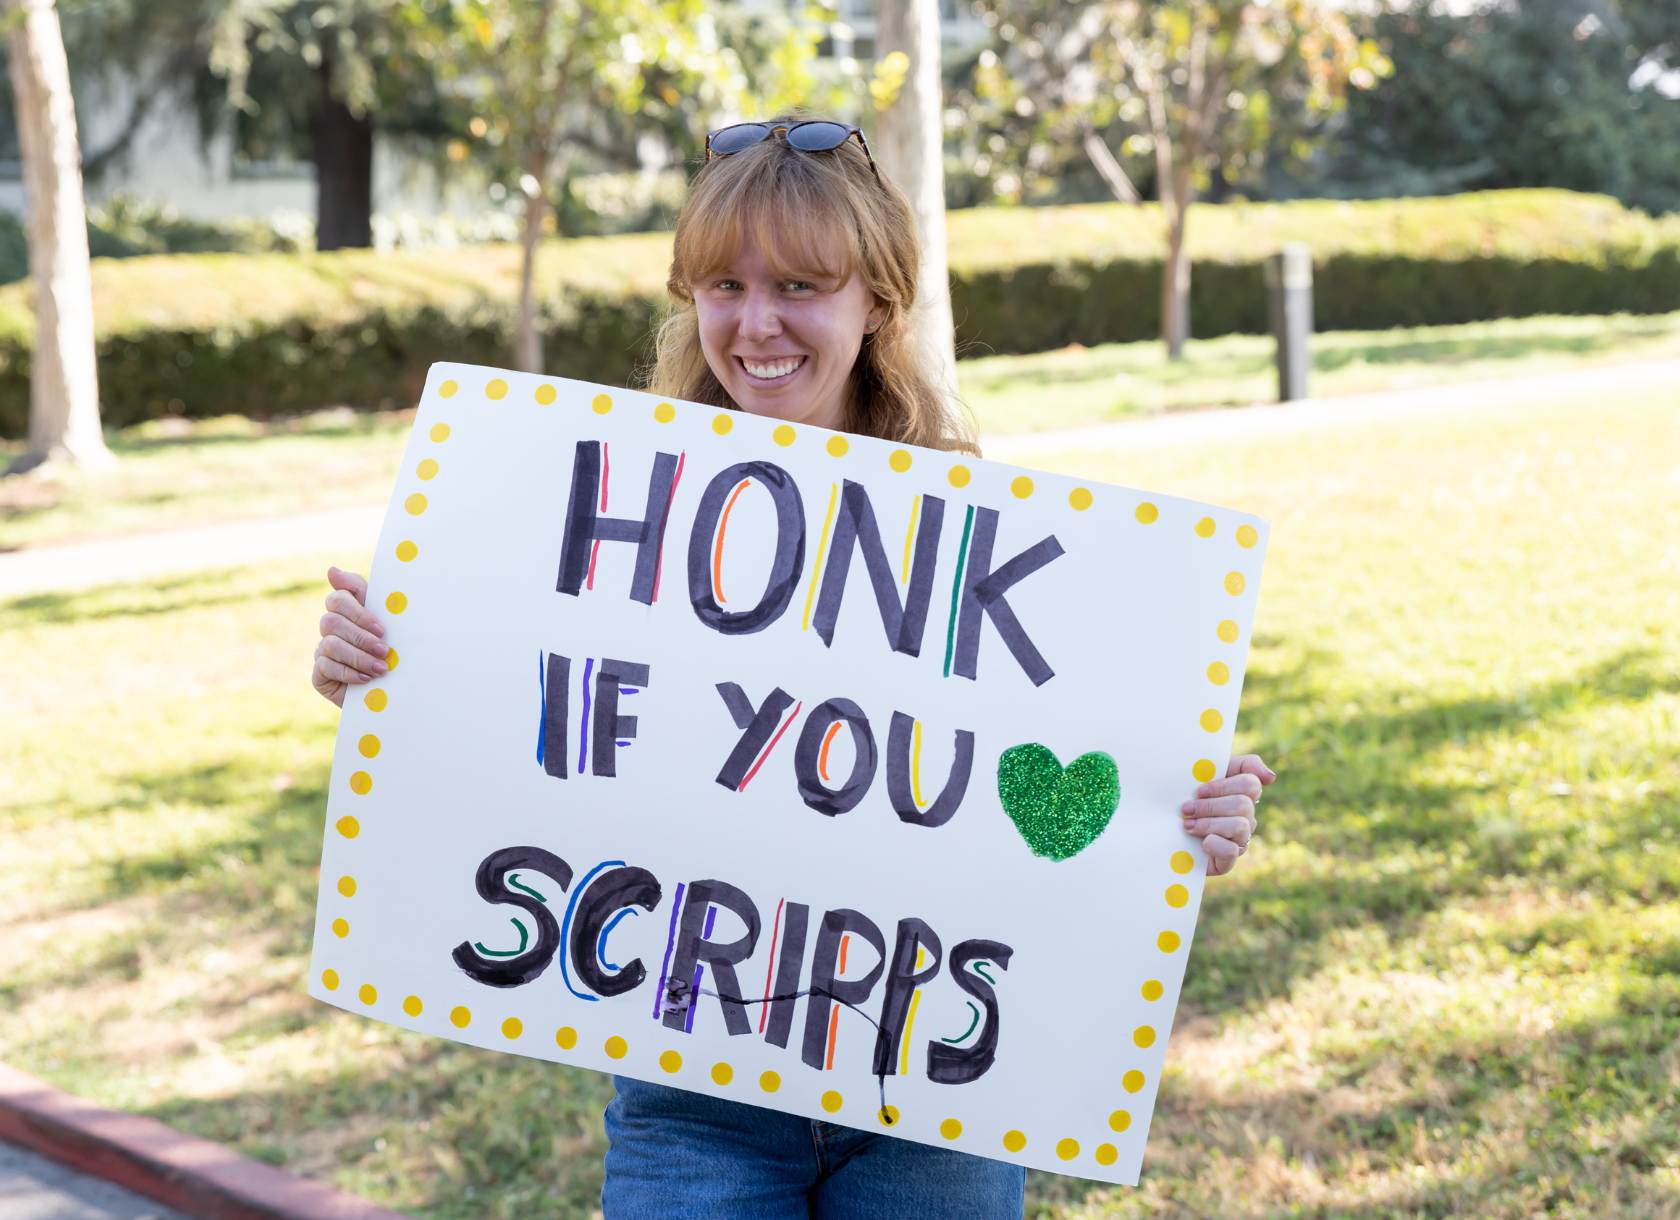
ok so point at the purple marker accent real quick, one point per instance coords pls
(670, 939)
(694, 991)
(583, 745)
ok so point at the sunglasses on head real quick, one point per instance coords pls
(809, 135)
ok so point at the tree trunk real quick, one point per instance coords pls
(64, 378)
(911, 152)
(527, 339)
(342, 145)
(1175, 282)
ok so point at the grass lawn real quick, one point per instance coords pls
(1445, 982)
(175, 474)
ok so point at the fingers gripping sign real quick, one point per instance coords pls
(1223, 813)
(352, 650)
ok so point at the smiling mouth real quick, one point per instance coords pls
(770, 372)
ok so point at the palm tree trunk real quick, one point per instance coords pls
(64, 379)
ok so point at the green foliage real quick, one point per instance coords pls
(261, 334)
(1538, 93)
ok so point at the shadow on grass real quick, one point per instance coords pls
(140, 599)
(1467, 349)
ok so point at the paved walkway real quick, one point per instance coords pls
(351, 533)
(34, 1188)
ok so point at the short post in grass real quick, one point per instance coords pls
(1289, 295)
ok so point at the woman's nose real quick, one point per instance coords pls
(760, 319)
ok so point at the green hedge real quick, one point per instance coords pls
(206, 335)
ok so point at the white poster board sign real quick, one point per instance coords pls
(800, 768)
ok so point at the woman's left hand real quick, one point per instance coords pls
(1222, 813)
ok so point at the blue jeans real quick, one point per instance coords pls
(671, 1153)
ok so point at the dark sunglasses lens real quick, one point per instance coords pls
(818, 137)
(733, 139)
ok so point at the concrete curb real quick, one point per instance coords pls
(189, 1174)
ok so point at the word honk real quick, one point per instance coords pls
(981, 584)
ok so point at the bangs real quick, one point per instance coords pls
(795, 217)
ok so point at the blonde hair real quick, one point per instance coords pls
(793, 205)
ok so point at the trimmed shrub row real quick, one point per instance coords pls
(264, 334)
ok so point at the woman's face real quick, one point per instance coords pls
(783, 347)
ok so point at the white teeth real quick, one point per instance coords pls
(779, 368)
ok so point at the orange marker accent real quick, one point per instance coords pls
(833, 1028)
(717, 546)
(822, 769)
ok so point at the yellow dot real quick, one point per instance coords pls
(899, 460)
(347, 886)
(565, 1037)
(1151, 991)
(512, 1028)
(341, 928)
(722, 1073)
(361, 783)
(412, 1006)
(1121, 1119)
(1203, 770)
(447, 389)
(406, 551)
(1067, 1149)
(665, 413)
(376, 700)
(329, 979)
(440, 433)
(1204, 528)
(783, 436)
(1144, 1036)
(1177, 895)
(1106, 1154)
(546, 394)
(837, 446)
(1228, 631)
(1219, 673)
(1211, 720)
(427, 469)
(396, 603)
(367, 993)
(888, 1116)
(460, 1016)
(958, 476)
(1021, 488)
(390, 658)
(1132, 1082)
(369, 746)
(617, 1047)
(831, 1101)
(1080, 498)
(1167, 942)
(721, 424)
(349, 827)
(415, 504)
(601, 404)
(670, 1061)
(770, 1082)
(1182, 862)
(1247, 535)
(950, 1128)
(496, 389)
(1234, 583)
(1014, 1140)
(1147, 513)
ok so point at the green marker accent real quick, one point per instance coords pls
(956, 591)
(963, 1037)
(980, 969)
(524, 939)
(513, 883)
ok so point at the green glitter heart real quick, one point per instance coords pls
(1059, 811)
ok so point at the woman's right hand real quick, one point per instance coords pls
(352, 648)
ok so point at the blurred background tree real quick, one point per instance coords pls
(1203, 90)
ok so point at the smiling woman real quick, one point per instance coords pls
(793, 275)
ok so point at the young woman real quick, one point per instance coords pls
(792, 283)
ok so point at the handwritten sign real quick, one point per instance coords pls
(799, 768)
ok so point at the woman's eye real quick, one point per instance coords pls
(798, 286)
(726, 285)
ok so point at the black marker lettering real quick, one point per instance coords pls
(790, 956)
(855, 528)
(902, 980)
(585, 525)
(983, 592)
(491, 882)
(694, 949)
(608, 725)
(825, 988)
(807, 757)
(608, 894)
(786, 561)
(901, 792)
(960, 1065)
(756, 733)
